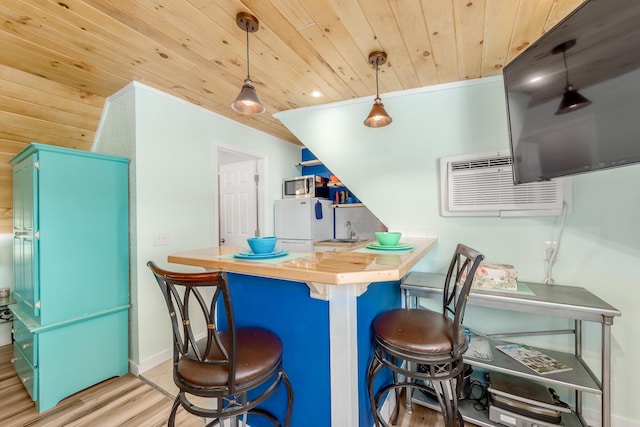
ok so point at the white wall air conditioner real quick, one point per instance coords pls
(481, 184)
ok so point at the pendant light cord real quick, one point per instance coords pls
(566, 68)
(377, 91)
(247, 31)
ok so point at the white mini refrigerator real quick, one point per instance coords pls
(302, 221)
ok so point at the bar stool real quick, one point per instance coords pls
(425, 347)
(239, 367)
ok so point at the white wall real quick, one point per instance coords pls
(172, 145)
(363, 223)
(6, 279)
(394, 171)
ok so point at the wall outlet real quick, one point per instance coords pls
(160, 238)
(550, 247)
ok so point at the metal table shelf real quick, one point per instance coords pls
(5, 313)
(569, 302)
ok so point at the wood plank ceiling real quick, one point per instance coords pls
(60, 59)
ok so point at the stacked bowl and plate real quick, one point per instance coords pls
(389, 241)
(261, 248)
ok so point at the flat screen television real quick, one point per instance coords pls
(593, 55)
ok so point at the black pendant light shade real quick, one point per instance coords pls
(571, 98)
(378, 116)
(572, 101)
(247, 101)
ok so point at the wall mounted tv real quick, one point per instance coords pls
(600, 44)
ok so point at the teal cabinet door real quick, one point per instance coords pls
(83, 239)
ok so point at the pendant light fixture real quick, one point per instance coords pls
(247, 101)
(571, 99)
(378, 116)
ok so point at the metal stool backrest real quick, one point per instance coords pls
(189, 308)
(457, 286)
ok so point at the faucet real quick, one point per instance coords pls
(350, 230)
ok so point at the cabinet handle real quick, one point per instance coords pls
(25, 346)
(13, 331)
(13, 360)
(20, 233)
(25, 379)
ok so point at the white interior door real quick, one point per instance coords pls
(238, 202)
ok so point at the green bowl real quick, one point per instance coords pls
(388, 238)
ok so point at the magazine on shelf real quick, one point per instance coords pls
(479, 348)
(533, 359)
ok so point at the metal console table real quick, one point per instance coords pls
(5, 313)
(570, 302)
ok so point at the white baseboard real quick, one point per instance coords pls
(592, 417)
(152, 362)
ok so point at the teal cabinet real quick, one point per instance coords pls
(71, 270)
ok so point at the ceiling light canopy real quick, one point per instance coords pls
(571, 99)
(247, 101)
(378, 116)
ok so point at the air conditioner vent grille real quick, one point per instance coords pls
(481, 163)
(495, 190)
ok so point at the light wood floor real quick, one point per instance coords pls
(124, 401)
(161, 376)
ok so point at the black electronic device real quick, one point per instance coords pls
(573, 96)
(519, 402)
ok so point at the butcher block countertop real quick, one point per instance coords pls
(356, 265)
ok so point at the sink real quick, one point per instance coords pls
(340, 241)
(331, 245)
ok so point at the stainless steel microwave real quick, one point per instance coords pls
(305, 186)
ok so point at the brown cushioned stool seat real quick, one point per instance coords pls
(258, 352)
(418, 331)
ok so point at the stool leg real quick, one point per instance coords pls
(396, 411)
(448, 399)
(374, 367)
(455, 390)
(408, 392)
(172, 416)
(287, 383)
